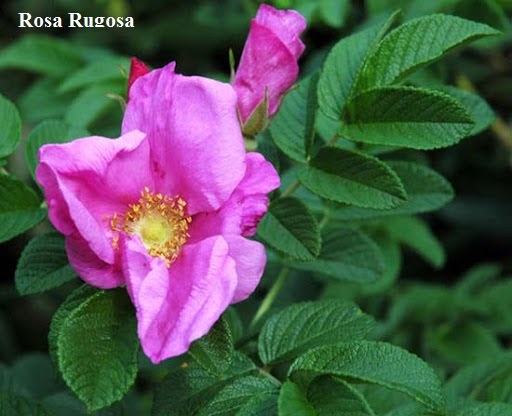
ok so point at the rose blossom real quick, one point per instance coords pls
(165, 208)
(268, 66)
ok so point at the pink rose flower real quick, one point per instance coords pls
(165, 208)
(268, 65)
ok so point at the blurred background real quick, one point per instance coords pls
(79, 76)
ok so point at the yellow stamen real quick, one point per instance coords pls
(159, 220)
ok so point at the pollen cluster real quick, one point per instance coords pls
(159, 220)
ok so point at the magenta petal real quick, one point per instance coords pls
(269, 59)
(178, 305)
(90, 267)
(197, 148)
(241, 214)
(250, 259)
(287, 24)
(85, 182)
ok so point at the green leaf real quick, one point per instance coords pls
(426, 191)
(407, 117)
(478, 109)
(292, 128)
(488, 409)
(13, 405)
(40, 102)
(342, 67)
(376, 363)
(352, 177)
(19, 208)
(463, 343)
(75, 299)
(415, 233)
(214, 351)
(346, 254)
(10, 134)
(43, 265)
(334, 12)
(98, 347)
(336, 397)
(188, 389)
(416, 44)
(290, 228)
(107, 69)
(42, 54)
(238, 397)
(293, 402)
(93, 102)
(303, 326)
(49, 131)
(473, 380)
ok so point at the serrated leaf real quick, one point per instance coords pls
(478, 109)
(307, 325)
(376, 363)
(107, 69)
(342, 67)
(215, 350)
(42, 54)
(43, 265)
(237, 397)
(10, 134)
(407, 117)
(416, 44)
(488, 409)
(13, 405)
(292, 128)
(336, 397)
(293, 402)
(75, 299)
(426, 191)
(97, 348)
(187, 390)
(346, 254)
(352, 177)
(49, 131)
(415, 233)
(290, 228)
(19, 208)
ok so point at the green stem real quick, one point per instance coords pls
(333, 140)
(271, 297)
(291, 189)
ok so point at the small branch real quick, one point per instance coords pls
(291, 189)
(271, 297)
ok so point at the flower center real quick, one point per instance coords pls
(159, 220)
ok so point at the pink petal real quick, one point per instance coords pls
(87, 180)
(91, 268)
(196, 144)
(287, 24)
(250, 259)
(269, 59)
(178, 305)
(243, 211)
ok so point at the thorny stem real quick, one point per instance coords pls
(270, 297)
(500, 128)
